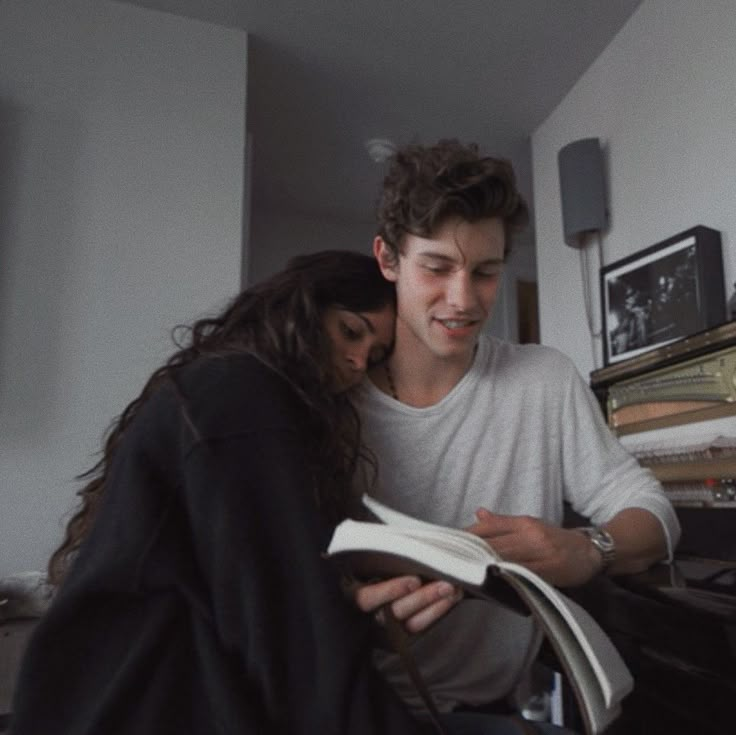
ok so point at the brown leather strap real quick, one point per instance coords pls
(399, 639)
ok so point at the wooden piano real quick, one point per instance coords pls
(675, 409)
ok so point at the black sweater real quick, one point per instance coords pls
(200, 602)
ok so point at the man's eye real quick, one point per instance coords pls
(487, 274)
(437, 268)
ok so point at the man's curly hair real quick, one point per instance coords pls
(426, 185)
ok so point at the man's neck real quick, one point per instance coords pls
(418, 378)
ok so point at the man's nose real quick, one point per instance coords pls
(460, 293)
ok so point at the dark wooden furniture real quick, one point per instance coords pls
(675, 626)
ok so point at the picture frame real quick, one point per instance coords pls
(661, 294)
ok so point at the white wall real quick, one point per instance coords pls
(662, 98)
(122, 134)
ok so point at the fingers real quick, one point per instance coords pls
(438, 598)
(426, 596)
(370, 597)
(415, 605)
(489, 524)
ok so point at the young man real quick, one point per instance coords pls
(473, 432)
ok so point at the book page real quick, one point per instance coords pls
(396, 518)
(420, 551)
(596, 670)
(576, 665)
(611, 672)
(609, 668)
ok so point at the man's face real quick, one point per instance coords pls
(446, 286)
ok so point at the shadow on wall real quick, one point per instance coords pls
(37, 172)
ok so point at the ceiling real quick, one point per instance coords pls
(326, 75)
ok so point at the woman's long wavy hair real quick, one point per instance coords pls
(280, 320)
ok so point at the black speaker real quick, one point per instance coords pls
(582, 189)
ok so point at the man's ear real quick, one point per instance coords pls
(387, 261)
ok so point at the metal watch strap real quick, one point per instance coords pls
(603, 541)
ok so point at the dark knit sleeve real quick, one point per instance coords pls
(277, 603)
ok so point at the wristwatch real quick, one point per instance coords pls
(603, 541)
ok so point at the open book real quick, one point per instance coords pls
(404, 545)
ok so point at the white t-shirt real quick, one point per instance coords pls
(520, 433)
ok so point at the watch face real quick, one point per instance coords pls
(603, 541)
(603, 538)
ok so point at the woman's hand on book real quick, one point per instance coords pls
(563, 557)
(417, 606)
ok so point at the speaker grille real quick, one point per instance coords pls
(582, 189)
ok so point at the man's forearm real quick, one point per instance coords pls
(640, 540)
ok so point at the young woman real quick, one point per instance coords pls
(192, 594)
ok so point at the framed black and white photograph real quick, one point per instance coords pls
(661, 294)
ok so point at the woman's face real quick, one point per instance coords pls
(358, 340)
